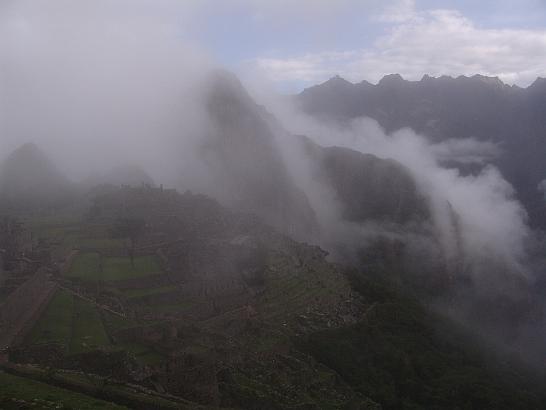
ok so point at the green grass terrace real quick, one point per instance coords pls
(91, 266)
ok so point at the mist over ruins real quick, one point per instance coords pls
(272, 205)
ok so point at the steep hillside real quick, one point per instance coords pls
(246, 162)
(217, 309)
(369, 188)
(441, 108)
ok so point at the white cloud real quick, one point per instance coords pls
(435, 42)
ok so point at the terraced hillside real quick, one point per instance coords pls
(206, 308)
(204, 301)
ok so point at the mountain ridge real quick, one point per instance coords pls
(427, 77)
(444, 108)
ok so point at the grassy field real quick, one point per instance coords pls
(85, 266)
(143, 354)
(100, 243)
(135, 293)
(49, 226)
(175, 307)
(117, 268)
(87, 332)
(21, 393)
(90, 266)
(71, 322)
(114, 323)
(77, 325)
(68, 232)
(55, 325)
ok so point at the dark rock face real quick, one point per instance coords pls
(243, 156)
(368, 187)
(440, 108)
(29, 179)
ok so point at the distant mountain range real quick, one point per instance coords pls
(443, 108)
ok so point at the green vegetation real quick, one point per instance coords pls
(114, 322)
(70, 322)
(175, 307)
(88, 332)
(398, 357)
(85, 266)
(55, 324)
(52, 226)
(135, 293)
(90, 266)
(77, 325)
(86, 383)
(20, 393)
(117, 268)
(143, 354)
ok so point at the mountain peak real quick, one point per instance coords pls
(27, 149)
(28, 154)
(391, 79)
(29, 178)
(334, 83)
(494, 81)
(539, 83)
(338, 79)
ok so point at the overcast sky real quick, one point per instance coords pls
(297, 43)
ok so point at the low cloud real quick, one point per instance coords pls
(98, 83)
(466, 151)
(476, 217)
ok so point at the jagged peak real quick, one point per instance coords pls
(225, 89)
(539, 82)
(334, 82)
(338, 79)
(495, 81)
(226, 81)
(395, 79)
